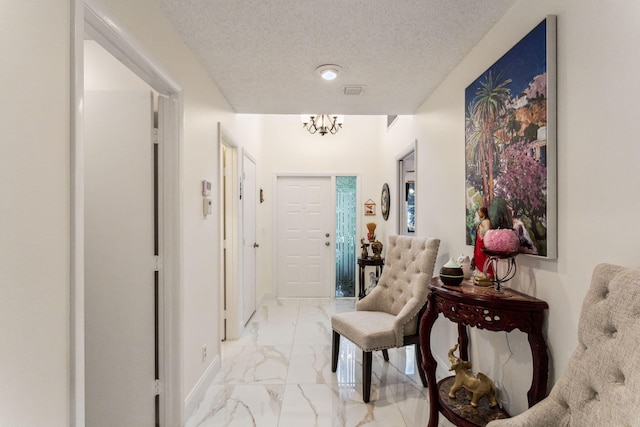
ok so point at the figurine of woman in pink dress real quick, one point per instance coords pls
(479, 256)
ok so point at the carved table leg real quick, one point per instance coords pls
(538, 389)
(428, 362)
(463, 341)
(361, 293)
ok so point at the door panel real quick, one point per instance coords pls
(304, 252)
(119, 273)
(249, 238)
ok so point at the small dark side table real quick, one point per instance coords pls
(483, 308)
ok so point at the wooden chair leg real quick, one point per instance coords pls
(335, 349)
(385, 355)
(366, 376)
(423, 377)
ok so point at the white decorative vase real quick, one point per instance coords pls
(465, 263)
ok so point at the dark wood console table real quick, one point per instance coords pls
(484, 308)
(364, 262)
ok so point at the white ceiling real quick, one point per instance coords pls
(263, 53)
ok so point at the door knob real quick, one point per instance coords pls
(327, 243)
(255, 245)
(326, 235)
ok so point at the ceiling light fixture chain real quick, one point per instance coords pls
(322, 123)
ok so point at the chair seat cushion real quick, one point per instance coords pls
(369, 330)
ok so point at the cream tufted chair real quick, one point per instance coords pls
(601, 386)
(388, 316)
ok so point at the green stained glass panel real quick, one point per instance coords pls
(345, 236)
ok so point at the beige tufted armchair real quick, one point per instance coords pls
(601, 386)
(388, 316)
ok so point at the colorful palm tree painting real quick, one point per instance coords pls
(506, 144)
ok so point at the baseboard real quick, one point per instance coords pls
(195, 397)
(266, 296)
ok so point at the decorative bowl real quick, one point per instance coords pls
(451, 273)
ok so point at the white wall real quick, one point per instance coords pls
(204, 107)
(288, 148)
(35, 206)
(102, 71)
(598, 58)
(34, 213)
(398, 141)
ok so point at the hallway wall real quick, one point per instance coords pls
(204, 107)
(35, 207)
(597, 152)
(34, 213)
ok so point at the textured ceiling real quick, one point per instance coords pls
(263, 54)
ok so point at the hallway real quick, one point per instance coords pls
(279, 374)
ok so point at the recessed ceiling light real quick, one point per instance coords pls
(329, 71)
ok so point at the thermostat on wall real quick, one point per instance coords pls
(206, 188)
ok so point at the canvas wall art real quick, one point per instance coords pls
(510, 143)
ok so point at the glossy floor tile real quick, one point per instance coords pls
(279, 374)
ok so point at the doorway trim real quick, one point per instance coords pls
(400, 208)
(231, 230)
(89, 16)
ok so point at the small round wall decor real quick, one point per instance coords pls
(385, 202)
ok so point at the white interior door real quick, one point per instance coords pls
(119, 260)
(249, 242)
(304, 243)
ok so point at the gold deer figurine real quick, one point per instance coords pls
(479, 384)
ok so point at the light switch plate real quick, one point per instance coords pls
(207, 206)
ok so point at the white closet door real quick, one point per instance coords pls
(119, 259)
(249, 203)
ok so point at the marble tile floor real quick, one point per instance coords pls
(278, 374)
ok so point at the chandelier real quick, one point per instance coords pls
(322, 123)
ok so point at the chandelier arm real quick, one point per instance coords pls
(323, 124)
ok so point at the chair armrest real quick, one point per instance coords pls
(408, 312)
(547, 412)
(369, 302)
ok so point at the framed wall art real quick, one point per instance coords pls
(369, 208)
(510, 143)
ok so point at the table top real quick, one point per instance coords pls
(506, 298)
(370, 261)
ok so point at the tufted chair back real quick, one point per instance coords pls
(601, 386)
(403, 285)
(388, 316)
